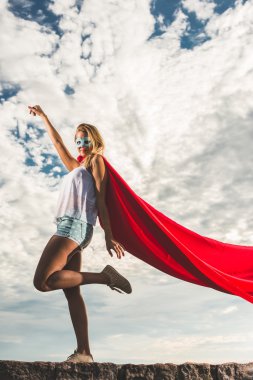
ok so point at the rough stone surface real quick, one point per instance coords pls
(16, 370)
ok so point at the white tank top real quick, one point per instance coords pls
(77, 196)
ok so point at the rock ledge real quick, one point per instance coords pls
(37, 370)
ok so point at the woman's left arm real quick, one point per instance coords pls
(100, 175)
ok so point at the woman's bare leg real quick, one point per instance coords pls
(50, 274)
(57, 255)
(64, 279)
(77, 308)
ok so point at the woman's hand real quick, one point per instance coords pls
(114, 244)
(36, 110)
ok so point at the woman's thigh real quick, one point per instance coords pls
(55, 256)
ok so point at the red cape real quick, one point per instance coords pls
(166, 245)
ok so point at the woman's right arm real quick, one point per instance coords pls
(53, 134)
(68, 160)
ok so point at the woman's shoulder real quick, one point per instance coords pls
(96, 155)
(98, 161)
(97, 158)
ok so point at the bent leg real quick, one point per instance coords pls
(50, 274)
(55, 256)
(77, 308)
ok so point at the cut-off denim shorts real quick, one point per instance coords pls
(75, 229)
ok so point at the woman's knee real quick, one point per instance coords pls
(40, 282)
(41, 286)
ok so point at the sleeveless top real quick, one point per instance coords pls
(77, 196)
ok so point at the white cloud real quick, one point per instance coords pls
(230, 309)
(204, 9)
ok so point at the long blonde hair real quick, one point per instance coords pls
(98, 144)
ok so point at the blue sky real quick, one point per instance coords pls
(168, 84)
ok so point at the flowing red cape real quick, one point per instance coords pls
(172, 248)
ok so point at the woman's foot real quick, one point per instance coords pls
(115, 279)
(77, 357)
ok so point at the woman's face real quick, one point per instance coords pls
(83, 143)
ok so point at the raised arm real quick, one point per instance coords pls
(68, 160)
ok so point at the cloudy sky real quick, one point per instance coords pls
(169, 85)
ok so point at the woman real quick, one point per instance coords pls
(82, 198)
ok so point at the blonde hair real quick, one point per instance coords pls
(97, 140)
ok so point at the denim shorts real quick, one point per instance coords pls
(75, 229)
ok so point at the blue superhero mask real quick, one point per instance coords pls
(83, 142)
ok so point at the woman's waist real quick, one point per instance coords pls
(71, 218)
